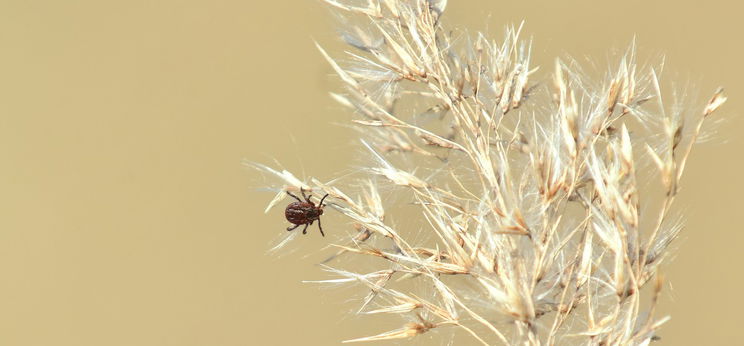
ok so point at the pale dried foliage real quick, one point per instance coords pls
(531, 229)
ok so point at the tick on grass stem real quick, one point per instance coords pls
(304, 213)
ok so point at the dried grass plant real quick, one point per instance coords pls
(542, 211)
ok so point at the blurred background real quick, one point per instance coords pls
(126, 217)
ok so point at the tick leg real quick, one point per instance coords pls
(321, 200)
(291, 228)
(307, 198)
(304, 230)
(321, 227)
(295, 197)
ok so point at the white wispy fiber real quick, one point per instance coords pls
(528, 209)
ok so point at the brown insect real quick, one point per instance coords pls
(304, 213)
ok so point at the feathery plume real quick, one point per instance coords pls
(527, 197)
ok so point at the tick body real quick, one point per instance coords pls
(304, 212)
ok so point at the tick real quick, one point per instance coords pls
(304, 213)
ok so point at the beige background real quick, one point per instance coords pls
(127, 219)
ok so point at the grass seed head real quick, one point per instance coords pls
(523, 225)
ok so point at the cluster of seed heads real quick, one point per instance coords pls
(542, 210)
